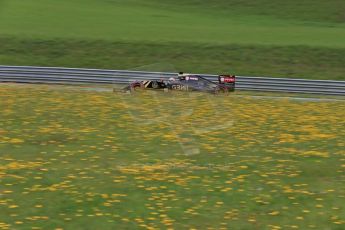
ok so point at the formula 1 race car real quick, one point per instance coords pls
(187, 82)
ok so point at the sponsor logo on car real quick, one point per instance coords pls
(227, 79)
(180, 87)
(193, 78)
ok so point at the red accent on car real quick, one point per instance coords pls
(227, 78)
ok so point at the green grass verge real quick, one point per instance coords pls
(77, 159)
(293, 61)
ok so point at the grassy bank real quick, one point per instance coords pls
(135, 21)
(277, 61)
(290, 39)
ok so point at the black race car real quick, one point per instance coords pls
(187, 82)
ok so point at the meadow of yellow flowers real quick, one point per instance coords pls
(73, 158)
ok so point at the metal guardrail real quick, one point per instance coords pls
(30, 74)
